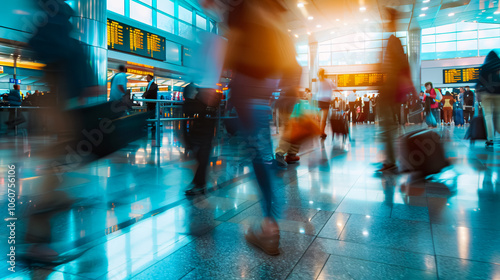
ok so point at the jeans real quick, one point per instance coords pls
(254, 115)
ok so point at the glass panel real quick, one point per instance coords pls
(325, 59)
(340, 47)
(117, 6)
(489, 33)
(303, 59)
(324, 48)
(185, 15)
(372, 57)
(467, 45)
(165, 23)
(201, 22)
(446, 47)
(374, 35)
(339, 58)
(302, 48)
(428, 31)
(387, 35)
(489, 44)
(141, 13)
(428, 39)
(401, 34)
(482, 26)
(148, 2)
(446, 28)
(427, 48)
(173, 51)
(186, 31)
(466, 26)
(446, 37)
(467, 35)
(373, 44)
(166, 6)
(403, 41)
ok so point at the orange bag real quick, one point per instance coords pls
(301, 128)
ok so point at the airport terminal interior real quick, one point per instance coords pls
(251, 139)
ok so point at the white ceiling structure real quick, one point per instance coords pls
(311, 20)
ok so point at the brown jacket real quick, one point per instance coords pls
(448, 101)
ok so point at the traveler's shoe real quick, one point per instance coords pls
(292, 159)
(196, 190)
(489, 143)
(388, 167)
(280, 160)
(266, 236)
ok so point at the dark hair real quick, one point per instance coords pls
(467, 86)
(151, 76)
(122, 68)
(429, 83)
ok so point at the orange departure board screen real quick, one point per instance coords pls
(125, 38)
(360, 80)
(461, 75)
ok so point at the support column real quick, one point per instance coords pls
(313, 63)
(90, 28)
(414, 49)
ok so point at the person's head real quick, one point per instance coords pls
(308, 90)
(467, 88)
(447, 93)
(428, 85)
(17, 87)
(321, 74)
(421, 92)
(122, 69)
(150, 77)
(366, 95)
(354, 91)
(462, 90)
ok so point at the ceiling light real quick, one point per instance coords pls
(483, 11)
(477, 17)
(289, 30)
(308, 33)
(489, 17)
(425, 8)
(475, 21)
(362, 9)
(333, 32)
(345, 23)
(300, 5)
(310, 18)
(421, 15)
(296, 36)
(337, 20)
(426, 1)
(318, 26)
(366, 19)
(496, 13)
(451, 14)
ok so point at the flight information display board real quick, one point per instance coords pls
(360, 80)
(461, 75)
(125, 38)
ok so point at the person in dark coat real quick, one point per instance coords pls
(488, 91)
(468, 104)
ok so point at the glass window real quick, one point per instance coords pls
(185, 15)
(165, 23)
(427, 48)
(372, 57)
(466, 26)
(428, 39)
(325, 59)
(117, 6)
(387, 35)
(403, 41)
(489, 44)
(446, 37)
(201, 22)
(141, 13)
(324, 48)
(400, 34)
(173, 52)
(467, 45)
(373, 36)
(186, 31)
(339, 58)
(428, 31)
(489, 33)
(148, 2)
(373, 44)
(166, 6)
(303, 59)
(446, 47)
(302, 49)
(467, 35)
(446, 28)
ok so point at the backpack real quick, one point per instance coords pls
(439, 96)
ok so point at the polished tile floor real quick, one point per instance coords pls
(340, 220)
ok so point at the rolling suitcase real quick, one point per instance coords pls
(339, 124)
(476, 130)
(415, 115)
(422, 151)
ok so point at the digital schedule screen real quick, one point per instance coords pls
(461, 75)
(360, 80)
(125, 38)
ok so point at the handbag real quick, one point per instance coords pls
(302, 124)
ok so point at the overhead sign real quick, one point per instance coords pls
(461, 75)
(360, 80)
(125, 38)
(14, 81)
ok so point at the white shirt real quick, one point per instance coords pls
(325, 90)
(351, 97)
(366, 99)
(115, 93)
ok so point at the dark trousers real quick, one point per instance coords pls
(200, 136)
(352, 109)
(468, 114)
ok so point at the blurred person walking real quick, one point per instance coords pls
(488, 93)
(458, 110)
(431, 105)
(14, 100)
(324, 98)
(394, 91)
(260, 53)
(151, 93)
(351, 99)
(118, 88)
(448, 102)
(468, 99)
